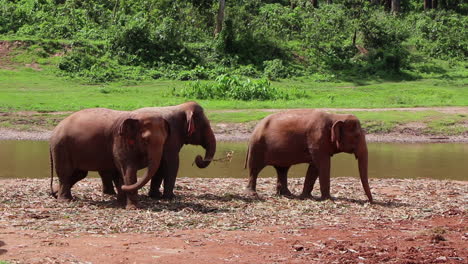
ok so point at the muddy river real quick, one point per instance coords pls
(30, 159)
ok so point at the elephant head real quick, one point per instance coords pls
(199, 132)
(348, 136)
(143, 136)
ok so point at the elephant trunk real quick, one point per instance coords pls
(209, 144)
(154, 159)
(362, 157)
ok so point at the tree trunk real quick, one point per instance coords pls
(314, 3)
(220, 17)
(435, 4)
(387, 4)
(427, 4)
(395, 7)
(329, 2)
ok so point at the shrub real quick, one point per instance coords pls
(233, 87)
(440, 34)
(274, 69)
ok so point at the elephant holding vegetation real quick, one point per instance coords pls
(188, 125)
(114, 143)
(305, 136)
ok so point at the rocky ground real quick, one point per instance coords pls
(212, 221)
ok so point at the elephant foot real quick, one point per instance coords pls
(325, 197)
(54, 191)
(155, 194)
(305, 196)
(284, 192)
(121, 199)
(64, 199)
(132, 201)
(250, 192)
(109, 191)
(168, 196)
(132, 206)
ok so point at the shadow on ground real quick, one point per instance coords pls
(2, 251)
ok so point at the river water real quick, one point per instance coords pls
(30, 159)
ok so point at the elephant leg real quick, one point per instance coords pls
(311, 177)
(251, 188)
(64, 173)
(107, 178)
(170, 178)
(324, 177)
(157, 180)
(77, 176)
(67, 180)
(65, 184)
(121, 195)
(129, 178)
(282, 181)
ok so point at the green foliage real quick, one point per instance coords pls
(275, 39)
(233, 87)
(275, 69)
(441, 34)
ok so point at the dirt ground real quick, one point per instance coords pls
(212, 221)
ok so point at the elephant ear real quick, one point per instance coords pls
(129, 129)
(190, 123)
(336, 133)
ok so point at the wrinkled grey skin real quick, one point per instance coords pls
(111, 142)
(305, 136)
(188, 125)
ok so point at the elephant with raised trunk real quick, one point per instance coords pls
(305, 136)
(188, 125)
(114, 143)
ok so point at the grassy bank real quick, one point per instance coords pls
(30, 81)
(41, 90)
(415, 122)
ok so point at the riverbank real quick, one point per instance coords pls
(212, 221)
(405, 125)
(236, 133)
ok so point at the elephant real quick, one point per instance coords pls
(305, 136)
(188, 125)
(114, 143)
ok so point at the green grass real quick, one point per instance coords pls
(237, 117)
(433, 122)
(28, 89)
(387, 121)
(449, 125)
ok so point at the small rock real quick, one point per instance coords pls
(298, 247)
(437, 238)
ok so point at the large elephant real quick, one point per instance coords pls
(115, 143)
(188, 125)
(305, 136)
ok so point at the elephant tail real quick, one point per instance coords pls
(247, 157)
(54, 194)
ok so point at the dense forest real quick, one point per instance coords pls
(107, 40)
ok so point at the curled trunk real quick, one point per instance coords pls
(154, 159)
(362, 157)
(209, 144)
